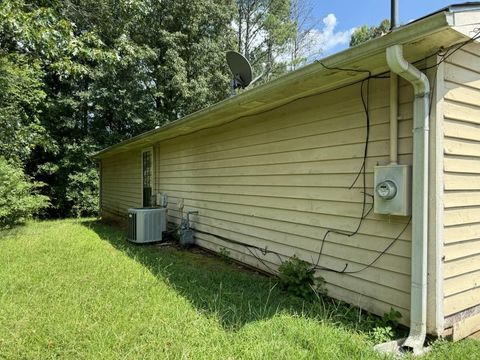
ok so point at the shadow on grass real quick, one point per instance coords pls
(233, 294)
(9, 232)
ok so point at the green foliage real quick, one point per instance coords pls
(298, 278)
(365, 33)
(381, 334)
(385, 326)
(391, 318)
(80, 75)
(20, 101)
(19, 199)
(224, 254)
(82, 191)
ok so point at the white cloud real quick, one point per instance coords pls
(320, 40)
(327, 38)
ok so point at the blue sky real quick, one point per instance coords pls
(337, 19)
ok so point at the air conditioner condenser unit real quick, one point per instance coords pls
(146, 225)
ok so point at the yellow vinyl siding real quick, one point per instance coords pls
(280, 179)
(121, 183)
(461, 110)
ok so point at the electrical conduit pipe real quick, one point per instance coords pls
(421, 87)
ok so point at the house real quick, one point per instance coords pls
(289, 168)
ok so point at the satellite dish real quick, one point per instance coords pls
(240, 68)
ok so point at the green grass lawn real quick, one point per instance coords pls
(76, 289)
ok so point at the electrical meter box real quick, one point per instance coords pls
(393, 190)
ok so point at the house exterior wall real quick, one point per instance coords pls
(461, 109)
(281, 179)
(120, 184)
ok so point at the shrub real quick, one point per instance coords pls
(19, 199)
(83, 193)
(298, 278)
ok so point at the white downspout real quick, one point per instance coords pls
(421, 86)
(393, 119)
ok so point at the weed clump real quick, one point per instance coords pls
(297, 277)
(385, 330)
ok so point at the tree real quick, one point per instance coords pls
(365, 33)
(20, 100)
(264, 30)
(80, 75)
(303, 42)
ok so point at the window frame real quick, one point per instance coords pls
(152, 173)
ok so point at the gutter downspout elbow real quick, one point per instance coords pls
(421, 86)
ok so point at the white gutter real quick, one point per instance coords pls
(421, 86)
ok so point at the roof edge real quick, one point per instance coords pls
(409, 32)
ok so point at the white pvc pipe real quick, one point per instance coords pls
(393, 118)
(421, 86)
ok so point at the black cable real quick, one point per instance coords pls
(383, 252)
(373, 261)
(271, 109)
(344, 69)
(340, 232)
(264, 250)
(445, 57)
(432, 93)
(369, 76)
(260, 260)
(364, 214)
(365, 103)
(362, 170)
(455, 49)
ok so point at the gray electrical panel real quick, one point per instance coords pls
(393, 190)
